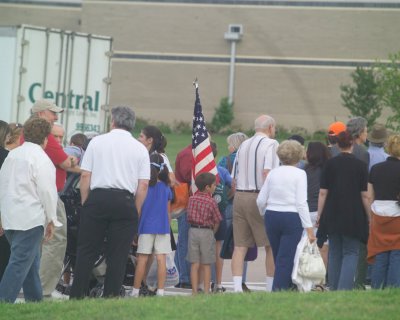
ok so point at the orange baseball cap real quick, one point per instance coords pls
(336, 128)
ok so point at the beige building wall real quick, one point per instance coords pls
(291, 60)
(60, 17)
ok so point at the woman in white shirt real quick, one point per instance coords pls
(28, 201)
(283, 202)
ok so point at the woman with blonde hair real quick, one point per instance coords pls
(283, 203)
(384, 238)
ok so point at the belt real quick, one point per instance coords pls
(115, 190)
(200, 227)
(250, 191)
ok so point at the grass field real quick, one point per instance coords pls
(285, 305)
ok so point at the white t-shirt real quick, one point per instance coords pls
(285, 189)
(116, 160)
(247, 170)
(28, 193)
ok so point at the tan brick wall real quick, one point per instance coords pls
(44, 16)
(268, 31)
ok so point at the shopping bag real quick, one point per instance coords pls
(172, 272)
(311, 265)
(228, 246)
(172, 278)
(303, 284)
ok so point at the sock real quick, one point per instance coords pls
(270, 282)
(135, 292)
(237, 283)
(160, 292)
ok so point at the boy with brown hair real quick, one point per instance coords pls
(204, 218)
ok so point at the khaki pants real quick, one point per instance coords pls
(53, 252)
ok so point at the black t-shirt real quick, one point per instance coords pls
(385, 177)
(345, 177)
(313, 180)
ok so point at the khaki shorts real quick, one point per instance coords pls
(154, 243)
(201, 246)
(248, 225)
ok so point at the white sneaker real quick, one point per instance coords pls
(57, 295)
(134, 293)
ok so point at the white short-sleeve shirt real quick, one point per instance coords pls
(253, 157)
(116, 160)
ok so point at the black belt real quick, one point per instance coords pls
(115, 190)
(251, 191)
(200, 227)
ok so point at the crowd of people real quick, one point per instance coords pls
(340, 194)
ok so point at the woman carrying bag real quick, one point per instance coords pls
(283, 202)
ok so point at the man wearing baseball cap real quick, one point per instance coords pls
(333, 130)
(53, 251)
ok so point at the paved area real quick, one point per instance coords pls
(255, 278)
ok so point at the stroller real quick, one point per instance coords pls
(72, 202)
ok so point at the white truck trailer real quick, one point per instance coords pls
(70, 68)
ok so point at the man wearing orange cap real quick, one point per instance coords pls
(333, 130)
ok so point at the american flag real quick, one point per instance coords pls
(203, 158)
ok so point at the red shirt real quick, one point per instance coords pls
(57, 155)
(203, 210)
(183, 165)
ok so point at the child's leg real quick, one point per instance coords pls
(207, 277)
(162, 270)
(194, 276)
(140, 270)
(219, 264)
(148, 266)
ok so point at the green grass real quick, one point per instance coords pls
(285, 305)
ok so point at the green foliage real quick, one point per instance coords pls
(362, 97)
(223, 116)
(390, 89)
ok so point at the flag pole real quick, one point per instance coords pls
(196, 83)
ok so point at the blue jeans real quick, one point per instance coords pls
(229, 219)
(182, 264)
(23, 267)
(386, 270)
(284, 232)
(342, 261)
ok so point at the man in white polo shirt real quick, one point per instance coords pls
(114, 182)
(255, 158)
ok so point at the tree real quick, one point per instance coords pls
(223, 116)
(389, 75)
(362, 98)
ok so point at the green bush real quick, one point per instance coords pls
(223, 116)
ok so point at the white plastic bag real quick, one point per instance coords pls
(172, 278)
(304, 283)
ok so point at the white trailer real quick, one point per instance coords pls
(72, 69)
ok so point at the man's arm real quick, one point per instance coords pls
(265, 173)
(141, 192)
(70, 165)
(85, 185)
